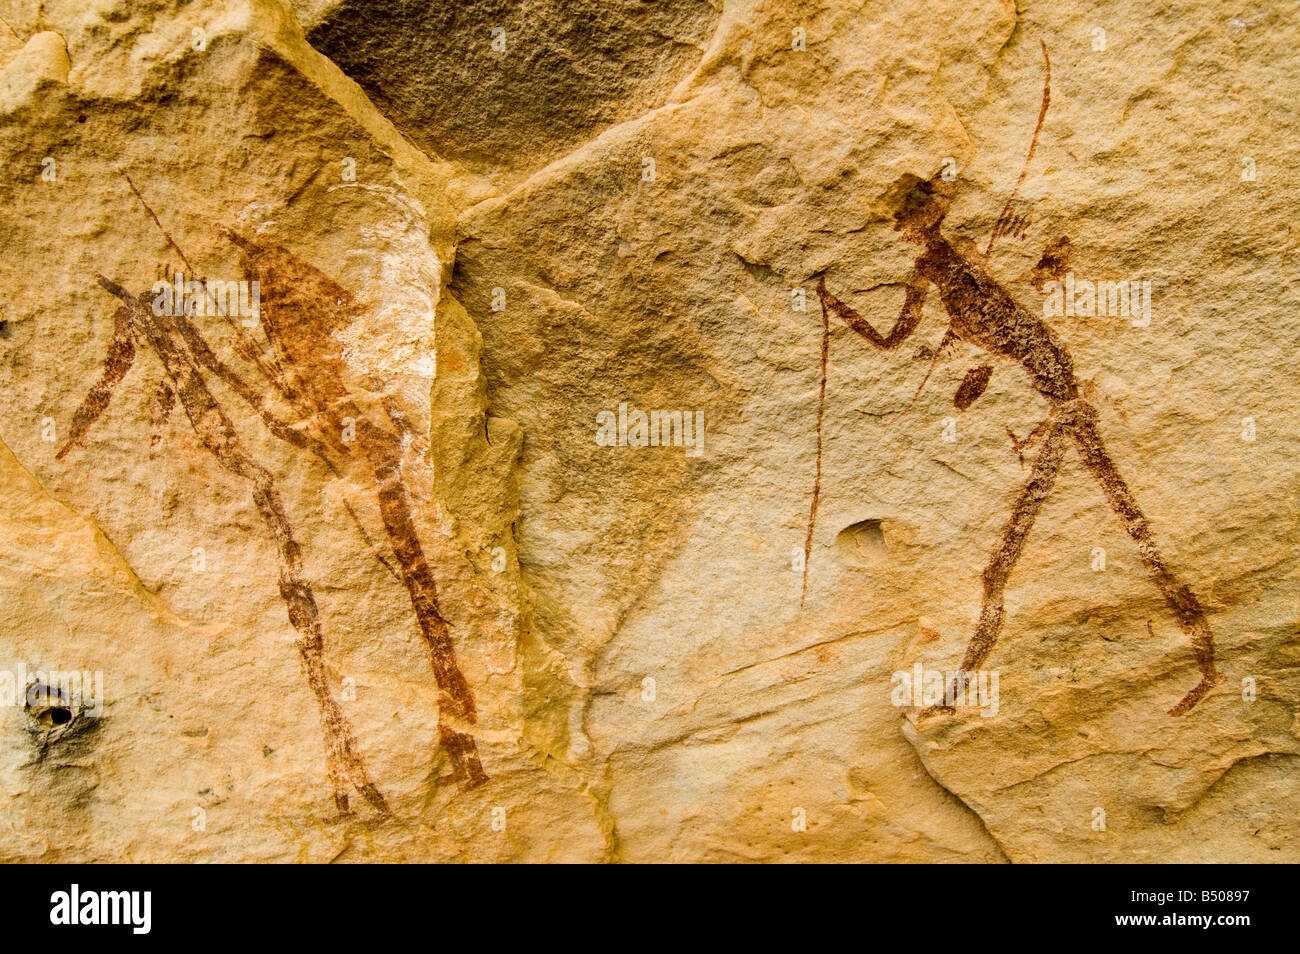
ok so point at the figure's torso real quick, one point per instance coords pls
(983, 313)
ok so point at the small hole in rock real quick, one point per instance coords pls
(48, 706)
(862, 543)
(4, 329)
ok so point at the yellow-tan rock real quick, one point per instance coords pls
(498, 228)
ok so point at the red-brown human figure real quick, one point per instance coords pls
(983, 313)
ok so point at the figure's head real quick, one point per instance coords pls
(919, 206)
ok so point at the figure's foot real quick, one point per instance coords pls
(348, 774)
(375, 797)
(1196, 695)
(346, 811)
(466, 767)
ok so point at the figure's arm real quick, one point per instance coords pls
(1055, 261)
(121, 352)
(908, 318)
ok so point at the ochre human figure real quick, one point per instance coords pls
(982, 312)
(301, 309)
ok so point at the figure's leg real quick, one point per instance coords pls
(216, 432)
(1187, 609)
(397, 511)
(117, 362)
(1007, 552)
(344, 764)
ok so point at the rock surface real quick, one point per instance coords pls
(502, 225)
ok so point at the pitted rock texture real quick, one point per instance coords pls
(628, 209)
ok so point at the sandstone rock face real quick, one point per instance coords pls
(385, 565)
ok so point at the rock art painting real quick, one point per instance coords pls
(698, 431)
(981, 312)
